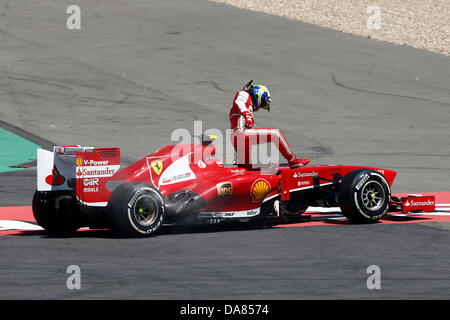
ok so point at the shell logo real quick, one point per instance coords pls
(259, 189)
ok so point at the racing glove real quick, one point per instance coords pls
(249, 121)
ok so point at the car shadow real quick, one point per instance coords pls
(164, 231)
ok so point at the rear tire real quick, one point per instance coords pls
(58, 222)
(135, 210)
(364, 196)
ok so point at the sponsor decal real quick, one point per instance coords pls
(79, 162)
(224, 190)
(90, 189)
(305, 174)
(90, 182)
(414, 203)
(157, 166)
(419, 203)
(67, 151)
(230, 214)
(303, 183)
(260, 189)
(96, 172)
(176, 178)
(237, 172)
(55, 179)
(96, 163)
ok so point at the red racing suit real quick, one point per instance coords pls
(244, 135)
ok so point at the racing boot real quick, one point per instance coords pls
(297, 163)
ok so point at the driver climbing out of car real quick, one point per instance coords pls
(244, 135)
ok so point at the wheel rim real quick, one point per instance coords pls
(373, 196)
(145, 211)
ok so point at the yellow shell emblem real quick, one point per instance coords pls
(157, 166)
(260, 189)
(79, 162)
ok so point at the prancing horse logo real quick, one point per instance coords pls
(157, 166)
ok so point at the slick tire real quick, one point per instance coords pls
(364, 196)
(135, 210)
(56, 222)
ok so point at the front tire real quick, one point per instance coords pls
(135, 210)
(364, 196)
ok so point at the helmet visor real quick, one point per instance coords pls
(265, 103)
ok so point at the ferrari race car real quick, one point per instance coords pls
(185, 184)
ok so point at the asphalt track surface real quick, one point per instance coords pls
(135, 72)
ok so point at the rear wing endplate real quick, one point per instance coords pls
(83, 169)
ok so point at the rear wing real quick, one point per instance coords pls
(84, 170)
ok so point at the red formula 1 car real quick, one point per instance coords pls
(85, 187)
